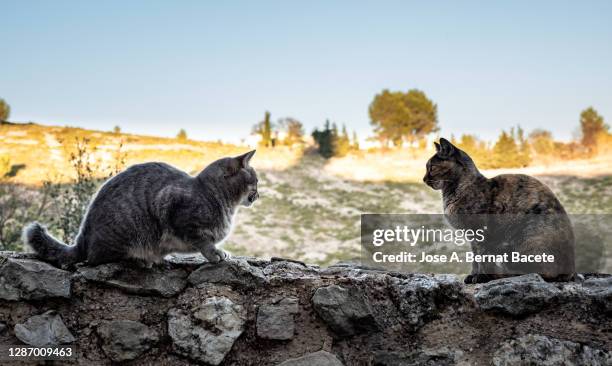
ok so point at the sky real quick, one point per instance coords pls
(214, 68)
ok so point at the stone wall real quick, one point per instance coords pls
(255, 312)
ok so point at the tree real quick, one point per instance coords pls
(331, 142)
(341, 142)
(267, 130)
(524, 154)
(182, 135)
(5, 111)
(264, 129)
(324, 140)
(294, 130)
(355, 143)
(398, 117)
(592, 125)
(116, 130)
(475, 148)
(542, 142)
(505, 152)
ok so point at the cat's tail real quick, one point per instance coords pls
(50, 249)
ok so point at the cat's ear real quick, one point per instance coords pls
(446, 148)
(245, 158)
(437, 145)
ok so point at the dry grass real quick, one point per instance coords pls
(309, 208)
(39, 153)
(409, 166)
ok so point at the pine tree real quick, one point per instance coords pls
(334, 139)
(266, 132)
(324, 140)
(342, 143)
(505, 152)
(524, 153)
(355, 144)
(476, 149)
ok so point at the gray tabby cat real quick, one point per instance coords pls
(152, 209)
(521, 215)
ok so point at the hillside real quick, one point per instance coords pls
(40, 153)
(310, 207)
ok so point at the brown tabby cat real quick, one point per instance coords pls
(521, 215)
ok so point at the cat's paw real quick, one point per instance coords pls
(215, 255)
(227, 255)
(222, 255)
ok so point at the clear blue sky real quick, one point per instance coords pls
(213, 68)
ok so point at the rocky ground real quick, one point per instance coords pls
(250, 311)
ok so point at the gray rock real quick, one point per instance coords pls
(27, 279)
(17, 255)
(288, 270)
(185, 259)
(320, 358)
(141, 281)
(345, 311)
(599, 291)
(124, 340)
(234, 272)
(287, 260)
(3, 327)
(541, 350)
(44, 330)
(420, 297)
(254, 261)
(517, 296)
(196, 259)
(208, 332)
(276, 321)
(425, 357)
(450, 286)
(349, 269)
